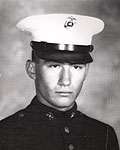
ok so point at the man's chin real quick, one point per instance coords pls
(64, 105)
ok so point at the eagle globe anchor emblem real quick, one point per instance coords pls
(69, 23)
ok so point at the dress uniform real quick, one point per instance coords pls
(62, 38)
(39, 127)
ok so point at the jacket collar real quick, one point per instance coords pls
(51, 113)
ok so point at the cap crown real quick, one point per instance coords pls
(62, 28)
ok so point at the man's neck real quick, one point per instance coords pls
(45, 102)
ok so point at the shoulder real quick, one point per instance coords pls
(90, 120)
(98, 129)
(19, 118)
(93, 124)
(13, 119)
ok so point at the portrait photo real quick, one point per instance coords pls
(60, 74)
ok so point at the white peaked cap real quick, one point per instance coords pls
(62, 28)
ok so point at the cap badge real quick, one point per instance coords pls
(69, 23)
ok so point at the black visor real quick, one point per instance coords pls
(50, 51)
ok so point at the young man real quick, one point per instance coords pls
(61, 49)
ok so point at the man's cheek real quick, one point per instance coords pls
(51, 82)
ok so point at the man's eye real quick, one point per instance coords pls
(78, 66)
(54, 66)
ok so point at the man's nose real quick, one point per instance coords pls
(65, 76)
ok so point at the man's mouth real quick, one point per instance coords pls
(64, 93)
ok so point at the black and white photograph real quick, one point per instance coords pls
(59, 74)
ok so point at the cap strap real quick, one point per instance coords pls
(51, 47)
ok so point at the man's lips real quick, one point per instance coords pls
(64, 93)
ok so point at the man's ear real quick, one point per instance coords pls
(30, 69)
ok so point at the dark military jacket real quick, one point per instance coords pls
(39, 127)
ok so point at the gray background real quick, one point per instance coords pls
(100, 96)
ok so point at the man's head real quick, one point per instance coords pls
(61, 55)
(57, 84)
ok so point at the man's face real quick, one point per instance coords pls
(58, 84)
